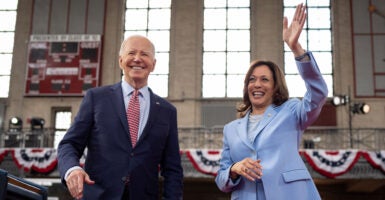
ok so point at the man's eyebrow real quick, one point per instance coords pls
(145, 51)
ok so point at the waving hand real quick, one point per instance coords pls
(291, 33)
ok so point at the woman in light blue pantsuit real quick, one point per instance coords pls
(260, 158)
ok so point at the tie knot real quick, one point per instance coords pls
(135, 93)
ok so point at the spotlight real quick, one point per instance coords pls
(360, 108)
(15, 124)
(340, 100)
(37, 123)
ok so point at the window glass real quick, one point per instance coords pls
(62, 124)
(226, 47)
(157, 83)
(214, 40)
(159, 3)
(9, 24)
(319, 18)
(238, 3)
(136, 19)
(238, 18)
(8, 12)
(214, 85)
(316, 37)
(161, 67)
(160, 19)
(6, 41)
(238, 40)
(235, 85)
(238, 62)
(4, 85)
(214, 62)
(320, 40)
(215, 3)
(215, 19)
(151, 18)
(136, 4)
(5, 66)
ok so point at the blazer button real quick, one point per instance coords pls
(132, 154)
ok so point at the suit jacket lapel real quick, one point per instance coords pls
(242, 131)
(154, 110)
(242, 125)
(117, 101)
(267, 117)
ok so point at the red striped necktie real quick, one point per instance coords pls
(133, 113)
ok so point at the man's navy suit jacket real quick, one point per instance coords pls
(101, 126)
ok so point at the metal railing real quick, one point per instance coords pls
(361, 138)
(317, 138)
(211, 138)
(26, 138)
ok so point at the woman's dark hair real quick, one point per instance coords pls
(281, 93)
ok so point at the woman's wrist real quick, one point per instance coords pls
(297, 50)
(303, 57)
(233, 175)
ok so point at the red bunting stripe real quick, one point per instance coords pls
(3, 153)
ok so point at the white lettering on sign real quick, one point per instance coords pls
(62, 71)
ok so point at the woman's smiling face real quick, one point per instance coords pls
(261, 89)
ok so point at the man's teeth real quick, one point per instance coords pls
(136, 67)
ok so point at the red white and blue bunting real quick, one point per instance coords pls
(331, 163)
(41, 160)
(204, 160)
(326, 162)
(376, 158)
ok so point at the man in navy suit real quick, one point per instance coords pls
(115, 168)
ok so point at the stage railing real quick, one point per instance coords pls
(211, 138)
(315, 138)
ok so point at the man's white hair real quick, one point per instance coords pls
(121, 52)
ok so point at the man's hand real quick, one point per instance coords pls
(75, 182)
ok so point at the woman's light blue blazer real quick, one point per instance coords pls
(276, 144)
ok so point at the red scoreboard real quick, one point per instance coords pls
(62, 65)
